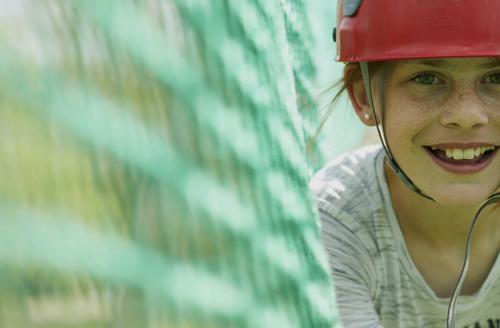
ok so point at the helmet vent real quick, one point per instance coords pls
(351, 7)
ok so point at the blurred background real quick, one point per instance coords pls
(154, 162)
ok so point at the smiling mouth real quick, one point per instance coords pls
(464, 161)
(463, 156)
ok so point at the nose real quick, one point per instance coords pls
(466, 111)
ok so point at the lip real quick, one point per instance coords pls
(461, 145)
(462, 168)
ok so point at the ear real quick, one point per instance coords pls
(359, 100)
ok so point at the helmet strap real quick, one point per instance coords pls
(365, 73)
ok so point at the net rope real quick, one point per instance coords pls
(153, 167)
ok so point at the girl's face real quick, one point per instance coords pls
(442, 123)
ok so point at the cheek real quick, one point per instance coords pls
(496, 115)
(405, 118)
(492, 101)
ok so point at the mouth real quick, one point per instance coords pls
(462, 160)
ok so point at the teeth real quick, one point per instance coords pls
(470, 153)
(458, 154)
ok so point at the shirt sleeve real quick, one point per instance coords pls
(353, 272)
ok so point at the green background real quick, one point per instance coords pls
(154, 162)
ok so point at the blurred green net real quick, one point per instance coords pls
(154, 167)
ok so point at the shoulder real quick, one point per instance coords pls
(350, 203)
(349, 182)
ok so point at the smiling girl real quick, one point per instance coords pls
(397, 219)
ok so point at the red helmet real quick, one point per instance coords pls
(378, 30)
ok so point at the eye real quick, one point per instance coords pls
(493, 78)
(427, 79)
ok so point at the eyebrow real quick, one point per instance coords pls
(441, 63)
(495, 61)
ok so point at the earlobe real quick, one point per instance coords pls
(359, 101)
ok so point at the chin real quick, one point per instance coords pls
(461, 195)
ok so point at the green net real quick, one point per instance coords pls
(154, 166)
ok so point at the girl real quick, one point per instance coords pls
(395, 219)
